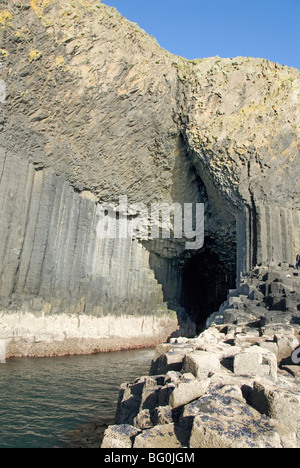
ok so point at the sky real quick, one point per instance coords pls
(229, 28)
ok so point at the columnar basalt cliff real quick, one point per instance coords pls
(93, 109)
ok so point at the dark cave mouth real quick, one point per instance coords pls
(205, 284)
(195, 284)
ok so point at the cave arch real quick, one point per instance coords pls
(206, 279)
(196, 282)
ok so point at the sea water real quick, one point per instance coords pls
(50, 402)
(2, 351)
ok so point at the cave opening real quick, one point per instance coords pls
(205, 282)
(196, 283)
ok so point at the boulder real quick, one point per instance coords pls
(133, 398)
(223, 388)
(143, 420)
(226, 382)
(170, 360)
(201, 364)
(233, 391)
(275, 317)
(128, 405)
(279, 404)
(119, 437)
(159, 350)
(187, 390)
(149, 398)
(256, 361)
(272, 329)
(270, 346)
(162, 415)
(286, 345)
(237, 317)
(159, 437)
(225, 422)
(172, 377)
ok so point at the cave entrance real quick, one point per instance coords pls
(205, 282)
(196, 282)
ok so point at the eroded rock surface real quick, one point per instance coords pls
(94, 108)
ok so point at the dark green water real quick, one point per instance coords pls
(54, 402)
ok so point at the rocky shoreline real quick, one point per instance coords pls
(96, 111)
(234, 386)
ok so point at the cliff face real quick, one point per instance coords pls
(244, 134)
(95, 109)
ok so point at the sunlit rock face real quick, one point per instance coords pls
(93, 109)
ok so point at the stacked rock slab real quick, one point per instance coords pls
(234, 386)
(269, 294)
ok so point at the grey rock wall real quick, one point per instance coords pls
(53, 261)
(50, 247)
(243, 135)
(94, 109)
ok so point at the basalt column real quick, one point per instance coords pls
(64, 289)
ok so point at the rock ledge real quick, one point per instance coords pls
(234, 386)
